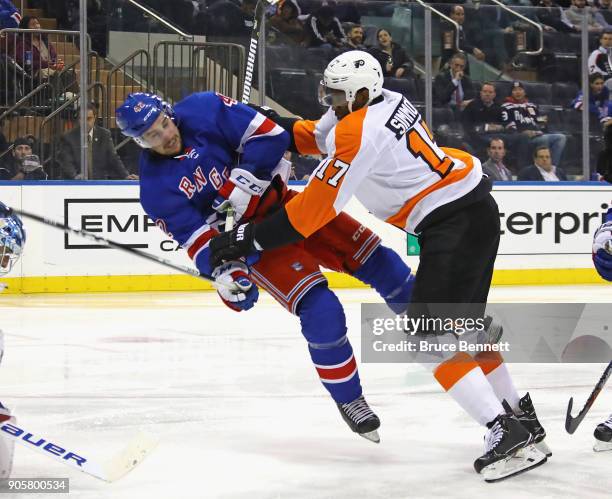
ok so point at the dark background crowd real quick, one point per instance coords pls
(523, 121)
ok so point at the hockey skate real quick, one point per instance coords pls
(529, 419)
(509, 450)
(603, 436)
(361, 419)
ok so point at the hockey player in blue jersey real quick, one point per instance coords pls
(9, 15)
(602, 259)
(209, 152)
(12, 240)
(602, 240)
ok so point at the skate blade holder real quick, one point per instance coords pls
(523, 460)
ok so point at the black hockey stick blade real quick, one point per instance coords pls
(572, 423)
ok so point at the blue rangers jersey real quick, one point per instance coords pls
(218, 134)
(9, 15)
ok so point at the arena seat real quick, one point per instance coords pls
(405, 86)
(564, 93)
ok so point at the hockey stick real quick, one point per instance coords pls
(260, 11)
(229, 219)
(121, 464)
(113, 244)
(571, 423)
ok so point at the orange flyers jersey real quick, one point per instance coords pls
(385, 155)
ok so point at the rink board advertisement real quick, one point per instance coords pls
(543, 227)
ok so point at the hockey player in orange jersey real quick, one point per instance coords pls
(379, 149)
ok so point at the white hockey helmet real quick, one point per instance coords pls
(351, 71)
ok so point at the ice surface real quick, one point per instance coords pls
(240, 412)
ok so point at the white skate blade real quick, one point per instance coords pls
(602, 446)
(523, 460)
(543, 448)
(372, 436)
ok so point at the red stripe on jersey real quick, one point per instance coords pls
(267, 126)
(200, 242)
(334, 373)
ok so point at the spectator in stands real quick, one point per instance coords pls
(3, 143)
(302, 166)
(600, 60)
(97, 25)
(457, 14)
(392, 57)
(227, 18)
(21, 163)
(348, 11)
(286, 22)
(521, 116)
(602, 13)
(482, 120)
(577, 11)
(543, 167)
(323, 29)
(494, 166)
(452, 87)
(103, 161)
(9, 15)
(599, 100)
(551, 14)
(35, 53)
(355, 37)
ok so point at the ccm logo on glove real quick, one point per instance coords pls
(248, 185)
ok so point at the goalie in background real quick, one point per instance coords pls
(602, 259)
(12, 239)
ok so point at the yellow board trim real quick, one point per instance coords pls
(122, 283)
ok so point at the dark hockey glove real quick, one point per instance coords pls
(232, 245)
(268, 112)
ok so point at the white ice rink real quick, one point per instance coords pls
(240, 412)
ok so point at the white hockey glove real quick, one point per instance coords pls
(7, 446)
(602, 250)
(235, 287)
(242, 191)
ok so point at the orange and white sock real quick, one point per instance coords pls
(463, 380)
(496, 371)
